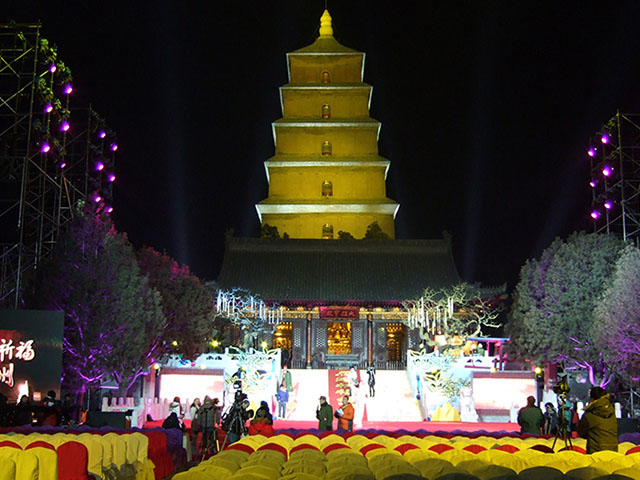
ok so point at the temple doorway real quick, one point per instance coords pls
(282, 339)
(339, 338)
(396, 336)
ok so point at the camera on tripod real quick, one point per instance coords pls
(562, 388)
(234, 419)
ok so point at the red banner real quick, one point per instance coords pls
(340, 313)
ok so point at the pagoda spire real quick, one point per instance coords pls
(326, 30)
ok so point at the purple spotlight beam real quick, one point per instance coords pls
(591, 152)
(595, 214)
(606, 171)
(604, 138)
(68, 89)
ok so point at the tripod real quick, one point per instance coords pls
(563, 426)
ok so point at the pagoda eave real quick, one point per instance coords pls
(298, 208)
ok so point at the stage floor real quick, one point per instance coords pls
(446, 427)
(409, 426)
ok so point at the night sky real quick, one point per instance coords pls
(487, 110)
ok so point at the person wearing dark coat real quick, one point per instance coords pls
(172, 421)
(23, 414)
(530, 418)
(208, 418)
(599, 424)
(324, 414)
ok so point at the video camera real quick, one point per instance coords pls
(234, 419)
(562, 387)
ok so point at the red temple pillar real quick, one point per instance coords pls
(309, 316)
(369, 339)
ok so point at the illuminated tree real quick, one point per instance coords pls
(617, 314)
(246, 310)
(552, 316)
(187, 305)
(453, 314)
(113, 318)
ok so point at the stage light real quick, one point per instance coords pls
(606, 171)
(45, 148)
(111, 178)
(591, 152)
(63, 164)
(109, 209)
(97, 199)
(156, 366)
(64, 127)
(102, 134)
(592, 184)
(174, 343)
(595, 214)
(263, 345)
(48, 108)
(53, 68)
(114, 147)
(68, 89)
(99, 166)
(215, 343)
(538, 370)
(608, 204)
(605, 138)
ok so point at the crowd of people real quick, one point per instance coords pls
(598, 423)
(47, 412)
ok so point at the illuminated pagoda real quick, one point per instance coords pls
(341, 294)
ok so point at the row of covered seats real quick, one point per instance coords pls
(67, 456)
(332, 457)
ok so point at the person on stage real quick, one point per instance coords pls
(371, 380)
(324, 414)
(286, 379)
(345, 415)
(282, 397)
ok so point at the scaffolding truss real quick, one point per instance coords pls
(55, 158)
(615, 177)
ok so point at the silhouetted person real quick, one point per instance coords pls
(599, 424)
(530, 418)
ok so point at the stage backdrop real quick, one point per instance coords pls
(30, 353)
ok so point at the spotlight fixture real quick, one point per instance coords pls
(606, 171)
(53, 68)
(114, 147)
(97, 199)
(109, 209)
(102, 134)
(64, 127)
(111, 178)
(63, 164)
(48, 108)
(592, 184)
(608, 204)
(45, 148)
(595, 214)
(68, 89)
(604, 138)
(591, 152)
(99, 166)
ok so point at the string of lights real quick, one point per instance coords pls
(614, 157)
(58, 157)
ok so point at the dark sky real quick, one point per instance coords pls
(487, 109)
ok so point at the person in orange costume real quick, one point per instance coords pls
(345, 421)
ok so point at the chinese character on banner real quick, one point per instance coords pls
(25, 351)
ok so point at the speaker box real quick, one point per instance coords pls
(109, 419)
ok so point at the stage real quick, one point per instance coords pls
(463, 428)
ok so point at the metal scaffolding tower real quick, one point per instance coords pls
(55, 158)
(615, 177)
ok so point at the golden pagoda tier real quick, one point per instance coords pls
(326, 175)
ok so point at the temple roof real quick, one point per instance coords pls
(325, 43)
(337, 271)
